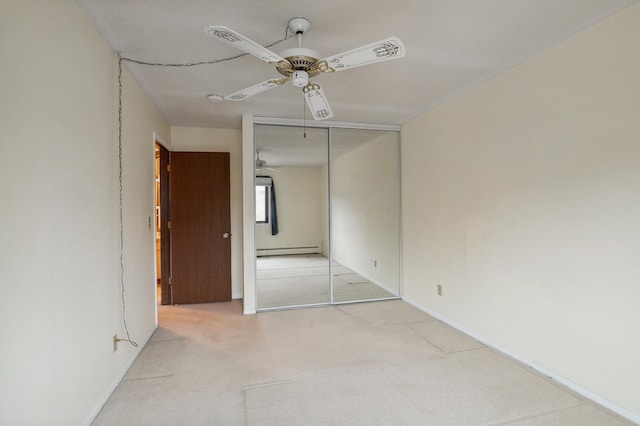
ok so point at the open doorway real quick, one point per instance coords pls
(163, 264)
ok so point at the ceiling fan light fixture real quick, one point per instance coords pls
(300, 78)
(215, 99)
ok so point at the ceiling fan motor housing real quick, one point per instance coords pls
(299, 59)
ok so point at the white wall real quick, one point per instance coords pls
(59, 256)
(365, 210)
(221, 140)
(522, 199)
(299, 203)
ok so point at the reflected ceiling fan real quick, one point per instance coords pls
(262, 165)
(299, 64)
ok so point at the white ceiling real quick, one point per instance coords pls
(451, 45)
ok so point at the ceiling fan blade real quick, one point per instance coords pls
(260, 168)
(256, 89)
(383, 50)
(243, 43)
(317, 101)
(261, 172)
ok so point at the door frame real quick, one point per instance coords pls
(165, 235)
(248, 187)
(165, 254)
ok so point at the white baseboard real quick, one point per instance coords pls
(283, 251)
(542, 370)
(96, 410)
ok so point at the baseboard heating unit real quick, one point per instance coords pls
(283, 251)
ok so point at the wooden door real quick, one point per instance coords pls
(200, 227)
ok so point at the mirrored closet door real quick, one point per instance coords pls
(291, 230)
(365, 214)
(327, 215)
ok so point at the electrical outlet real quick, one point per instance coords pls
(115, 342)
(439, 290)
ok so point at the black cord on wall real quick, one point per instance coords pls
(120, 168)
(122, 290)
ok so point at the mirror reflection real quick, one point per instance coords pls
(365, 214)
(292, 250)
(310, 210)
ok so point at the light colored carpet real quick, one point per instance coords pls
(380, 363)
(476, 387)
(304, 279)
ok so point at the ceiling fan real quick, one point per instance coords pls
(262, 165)
(299, 64)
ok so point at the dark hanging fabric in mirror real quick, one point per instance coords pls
(274, 210)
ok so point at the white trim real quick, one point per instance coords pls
(289, 307)
(96, 409)
(540, 369)
(248, 217)
(324, 124)
(329, 212)
(352, 302)
(400, 221)
(156, 139)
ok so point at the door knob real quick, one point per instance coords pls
(225, 235)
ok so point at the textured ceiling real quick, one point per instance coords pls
(451, 45)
